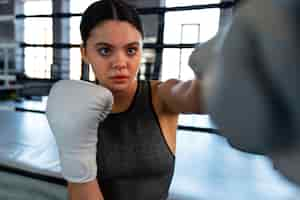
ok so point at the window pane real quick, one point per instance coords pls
(173, 3)
(91, 74)
(7, 60)
(191, 26)
(7, 32)
(190, 33)
(147, 64)
(77, 6)
(150, 25)
(175, 64)
(7, 7)
(37, 62)
(37, 7)
(75, 55)
(38, 30)
(75, 63)
(75, 37)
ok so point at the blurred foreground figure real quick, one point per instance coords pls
(251, 86)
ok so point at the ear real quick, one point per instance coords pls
(83, 54)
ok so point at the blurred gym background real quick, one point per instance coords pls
(39, 44)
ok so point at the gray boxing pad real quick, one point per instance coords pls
(252, 94)
(205, 54)
(287, 160)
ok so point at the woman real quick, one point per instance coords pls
(137, 144)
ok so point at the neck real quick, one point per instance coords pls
(123, 99)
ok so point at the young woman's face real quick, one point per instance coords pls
(114, 50)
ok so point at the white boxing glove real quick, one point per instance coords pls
(74, 110)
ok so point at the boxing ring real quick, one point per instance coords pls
(206, 166)
(29, 164)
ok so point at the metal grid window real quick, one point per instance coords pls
(38, 31)
(176, 27)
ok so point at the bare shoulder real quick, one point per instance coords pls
(177, 96)
(159, 88)
(167, 120)
(154, 93)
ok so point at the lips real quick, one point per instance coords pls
(119, 77)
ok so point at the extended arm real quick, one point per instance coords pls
(182, 96)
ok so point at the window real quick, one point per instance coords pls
(192, 27)
(175, 64)
(187, 27)
(38, 31)
(183, 27)
(75, 55)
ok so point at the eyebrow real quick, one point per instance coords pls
(110, 45)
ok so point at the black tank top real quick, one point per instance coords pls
(134, 160)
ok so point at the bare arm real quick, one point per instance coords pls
(85, 191)
(182, 96)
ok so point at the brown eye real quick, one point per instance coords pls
(131, 51)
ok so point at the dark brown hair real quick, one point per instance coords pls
(103, 10)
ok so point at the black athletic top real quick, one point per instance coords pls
(134, 160)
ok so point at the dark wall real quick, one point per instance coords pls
(6, 7)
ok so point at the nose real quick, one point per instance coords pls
(119, 61)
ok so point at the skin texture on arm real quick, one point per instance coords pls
(182, 96)
(85, 191)
(167, 120)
